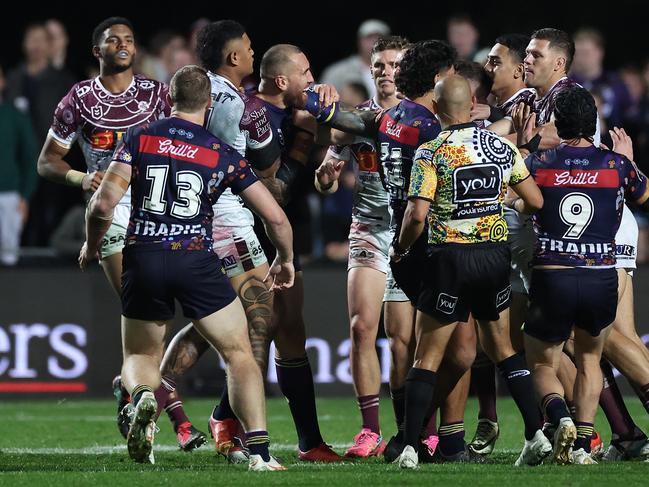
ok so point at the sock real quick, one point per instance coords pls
(555, 408)
(451, 438)
(224, 410)
(420, 384)
(519, 382)
(257, 442)
(369, 406)
(137, 392)
(483, 380)
(584, 435)
(398, 397)
(611, 402)
(431, 426)
(296, 383)
(572, 407)
(643, 395)
(175, 411)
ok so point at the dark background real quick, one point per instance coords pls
(327, 30)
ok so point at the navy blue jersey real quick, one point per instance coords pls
(402, 130)
(584, 189)
(179, 171)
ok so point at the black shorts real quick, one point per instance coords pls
(459, 279)
(152, 279)
(408, 272)
(269, 248)
(563, 298)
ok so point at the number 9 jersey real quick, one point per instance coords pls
(179, 172)
(584, 189)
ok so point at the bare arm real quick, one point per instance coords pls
(327, 175)
(52, 167)
(278, 229)
(530, 199)
(99, 215)
(414, 221)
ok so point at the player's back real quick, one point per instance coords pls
(179, 172)
(583, 191)
(402, 130)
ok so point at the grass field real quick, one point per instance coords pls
(76, 443)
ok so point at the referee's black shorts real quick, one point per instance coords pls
(459, 279)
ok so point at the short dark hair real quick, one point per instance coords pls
(420, 64)
(575, 114)
(389, 43)
(189, 88)
(558, 39)
(213, 38)
(516, 43)
(470, 70)
(460, 18)
(106, 24)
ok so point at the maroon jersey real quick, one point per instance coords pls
(543, 107)
(99, 119)
(525, 95)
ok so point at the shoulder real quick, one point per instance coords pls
(147, 84)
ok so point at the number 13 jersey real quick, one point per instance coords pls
(584, 189)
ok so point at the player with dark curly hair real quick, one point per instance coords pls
(574, 280)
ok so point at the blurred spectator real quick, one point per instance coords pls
(336, 218)
(58, 43)
(356, 68)
(35, 88)
(159, 64)
(194, 29)
(463, 35)
(17, 176)
(354, 94)
(70, 235)
(588, 70)
(180, 58)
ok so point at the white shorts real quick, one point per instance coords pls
(369, 245)
(626, 241)
(392, 291)
(113, 241)
(238, 248)
(521, 241)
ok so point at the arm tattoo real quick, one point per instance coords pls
(357, 122)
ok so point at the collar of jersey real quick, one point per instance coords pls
(114, 95)
(460, 126)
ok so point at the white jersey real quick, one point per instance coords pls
(224, 121)
(370, 205)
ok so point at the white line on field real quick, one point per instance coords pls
(121, 449)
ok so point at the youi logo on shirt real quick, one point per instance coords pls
(477, 183)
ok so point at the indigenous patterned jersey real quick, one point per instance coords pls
(403, 128)
(465, 173)
(525, 95)
(99, 119)
(584, 190)
(370, 204)
(240, 122)
(179, 172)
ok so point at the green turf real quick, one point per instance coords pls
(76, 443)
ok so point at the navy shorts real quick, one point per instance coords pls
(268, 247)
(563, 298)
(408, 272)
(153, 279)
(463, 279)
